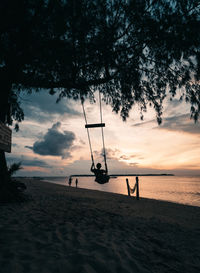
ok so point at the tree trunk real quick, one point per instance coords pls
(3, 168)
(5, 89)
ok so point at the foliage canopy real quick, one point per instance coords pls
(133, 51)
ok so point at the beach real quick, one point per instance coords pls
(64, 229)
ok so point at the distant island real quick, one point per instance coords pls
(116, 175)
(90, 175)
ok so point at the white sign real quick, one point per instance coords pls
(5, 138)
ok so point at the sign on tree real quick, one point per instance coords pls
(5, 138)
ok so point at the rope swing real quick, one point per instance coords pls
(102, 133)
(101, 175)
(89, 140)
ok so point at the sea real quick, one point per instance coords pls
(178, 189)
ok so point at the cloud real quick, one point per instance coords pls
(41, 106)
(55, 142)
(133, 164)
(181, 123)
(27, 161)
(129, 159)
(176, 107)
(29, 147)
(35, 162)
(116, 154)
(15, 145)
(152, 121)
(125, 157)
(110, 154)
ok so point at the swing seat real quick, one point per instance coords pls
(95, 125)
(103, 179)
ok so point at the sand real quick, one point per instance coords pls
(64, 229)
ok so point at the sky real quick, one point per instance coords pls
(52, 140)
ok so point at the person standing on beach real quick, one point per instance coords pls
(76, 182)
(70, 181)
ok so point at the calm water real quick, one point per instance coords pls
(184, 190)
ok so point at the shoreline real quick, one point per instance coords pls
(152, 206)
(64, 229)
(178, 196)
(121, 194)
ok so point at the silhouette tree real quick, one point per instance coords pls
(134, 52)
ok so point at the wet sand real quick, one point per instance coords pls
(64, 229)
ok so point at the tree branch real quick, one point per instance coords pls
(37, 82)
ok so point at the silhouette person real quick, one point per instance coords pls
(100, 174)
(70, 181)
(76, 182)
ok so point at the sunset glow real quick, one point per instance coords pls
(133, 146)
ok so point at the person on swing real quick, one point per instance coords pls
(100, 174)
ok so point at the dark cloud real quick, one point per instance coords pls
(173, 107)
(143, 123)
(40, 105)
(110, 153)
(25, 161)
(124, 157)
(181, 123)
(115, 154)
(133, 164)
(15, 145)
(130, 157)
(36, 163)
(55, 142)
(29, 147)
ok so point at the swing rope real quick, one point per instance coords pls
(82, 102)
(102, 133)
